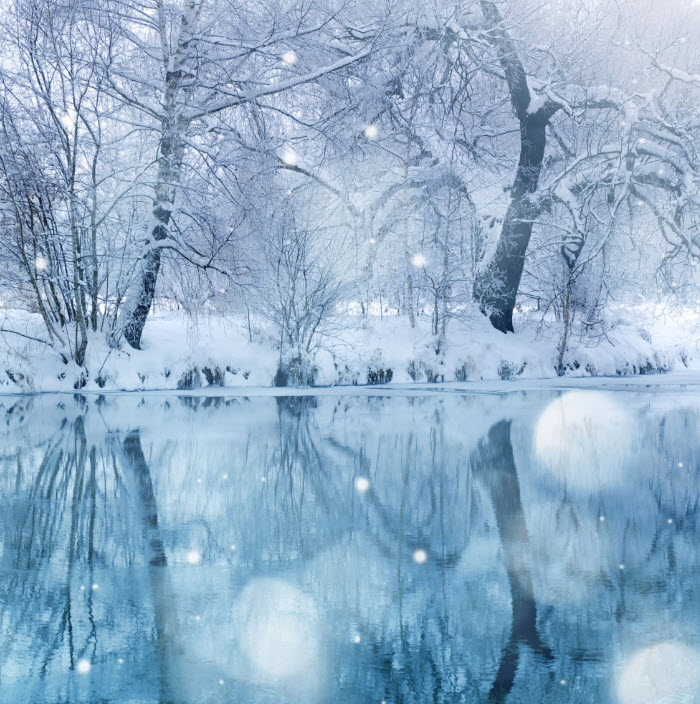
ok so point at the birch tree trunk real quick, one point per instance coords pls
(178, 85)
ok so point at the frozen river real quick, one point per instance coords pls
(541, 545)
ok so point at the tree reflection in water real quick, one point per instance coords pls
(494, 464)
(436, 582)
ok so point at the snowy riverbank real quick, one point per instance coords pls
(182, 354)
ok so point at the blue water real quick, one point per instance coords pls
(444, 547)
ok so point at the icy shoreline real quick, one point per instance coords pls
(683, 381)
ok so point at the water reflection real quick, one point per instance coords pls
(346, 549)
(494, 464)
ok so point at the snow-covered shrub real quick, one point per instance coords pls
(300, 289)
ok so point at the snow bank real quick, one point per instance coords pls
(477, 352)
(181, 354)
(178, 353)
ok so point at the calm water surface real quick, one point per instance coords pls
(522, 547)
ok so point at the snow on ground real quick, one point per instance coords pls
(183, 354)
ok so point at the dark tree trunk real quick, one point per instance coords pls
(497, 283)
